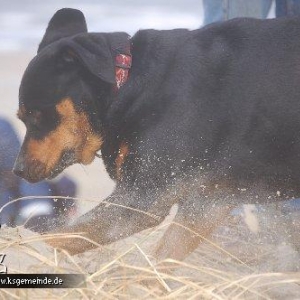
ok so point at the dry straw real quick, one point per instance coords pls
(125, 270)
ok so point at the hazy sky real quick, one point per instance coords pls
(23, 22)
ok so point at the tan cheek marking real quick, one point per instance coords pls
(91, 145)
(73, 132)
(86, 143)
(122, 154)
(46, 152)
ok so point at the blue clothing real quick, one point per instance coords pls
(222, 10)
(287, 8)
(9, 145)
(12, 187)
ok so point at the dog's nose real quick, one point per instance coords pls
(19, 168)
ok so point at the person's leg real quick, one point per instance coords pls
(222, 10)
(213, 11)
(296, 8)
(287, 8)
(251, 9)
(266, 6)
(281, 8)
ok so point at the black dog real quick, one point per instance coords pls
(206, 118)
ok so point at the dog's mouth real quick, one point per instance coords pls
(67, 159)
(35, 171)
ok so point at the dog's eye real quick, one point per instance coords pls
(34, 121)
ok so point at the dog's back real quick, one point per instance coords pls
(223, 99)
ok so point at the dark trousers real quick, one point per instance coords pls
(287, 8)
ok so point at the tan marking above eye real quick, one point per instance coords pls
(74, 132)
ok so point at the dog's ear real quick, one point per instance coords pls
(65, 22)
(91, 51)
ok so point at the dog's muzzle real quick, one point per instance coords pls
(33, 170)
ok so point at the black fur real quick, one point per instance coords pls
(220, 103)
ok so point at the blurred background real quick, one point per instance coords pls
(23, 23)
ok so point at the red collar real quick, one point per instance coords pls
(123, 64)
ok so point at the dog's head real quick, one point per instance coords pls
(63, 95)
